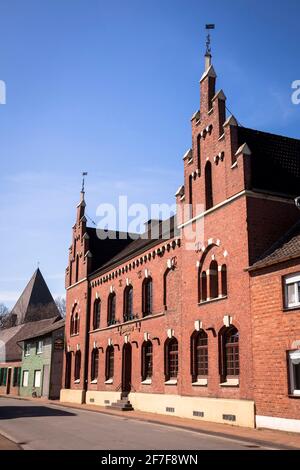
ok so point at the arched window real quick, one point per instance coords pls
(230, 367)
(203, 286)
(171, 359)
(198, 152)
(199, 359)
(77, 365)
(109, 366)
(94, 364)
(111, 309)
(208, 186)
(224, 279)
(72, 325)
(147, 296)
(213, 280)
(128, 303)
(76, 324)
(96, 314)
(70, 273)
(191, 195)
(147, 360)
(77, 269)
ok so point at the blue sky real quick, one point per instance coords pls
(109, 88)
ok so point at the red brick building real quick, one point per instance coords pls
(168, 320)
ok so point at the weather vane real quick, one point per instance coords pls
(208, 48)
(84, 173)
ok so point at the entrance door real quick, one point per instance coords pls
(126, 368)
(68, 370)
(8, 381)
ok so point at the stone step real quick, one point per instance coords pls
(121, 406)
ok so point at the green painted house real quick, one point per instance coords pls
(42, 361)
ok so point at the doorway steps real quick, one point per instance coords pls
(122, 405)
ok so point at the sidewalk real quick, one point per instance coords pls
(6, 444)
(265, 437)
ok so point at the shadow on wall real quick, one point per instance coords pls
(14, 412)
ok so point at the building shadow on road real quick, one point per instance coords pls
(14, 412)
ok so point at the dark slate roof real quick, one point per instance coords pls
(11, 336)
(275, 161)
(104, 249)
(139, 244)
(35, 303)
(287, 247)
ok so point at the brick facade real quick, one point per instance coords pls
(236, 221)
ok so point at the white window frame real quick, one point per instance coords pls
(39, 350)
(37, 373)
(27, 351)
(293, 356)
(25, 374)
(292, 279)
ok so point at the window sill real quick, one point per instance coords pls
(74, 334)
(171, 382)
(109, 381)
(295, 395)
(291, 309)
(76, 381)
(39, 353)
(212, 300)
(231, 383)
(200, 383)
(147, 382)
(94, 381)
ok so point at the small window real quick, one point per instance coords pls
(27, 349)
(17, 377)
(294, 372)
(3, 376)
(292, 291)
(128, 303)
(171, 359)
(231, 353)
(147, 297)
(37, 378)
(199, 352)
(25, 378)
(39, 347)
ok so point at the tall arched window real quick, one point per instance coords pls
(76, 324)
(213, 280)
(208, 186)
(77, 366)
(191, 195)
(199, 350)
(230, 353)
(94, 364)
(147, 360)
(128, 303)
(147, 296)
(171, 359)
(198, 152)
(96, 314)
(224, 279)
(109, 366)
(72, 324)
(77, 269)
(203, 281)
(111, 309)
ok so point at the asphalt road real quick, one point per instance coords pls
(48, 427)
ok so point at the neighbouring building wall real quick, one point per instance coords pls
(10, 378)
(56, 363)
(37, 365)
(276, 331)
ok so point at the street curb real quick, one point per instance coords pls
(10, 438)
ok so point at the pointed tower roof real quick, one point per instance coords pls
(35, 303)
